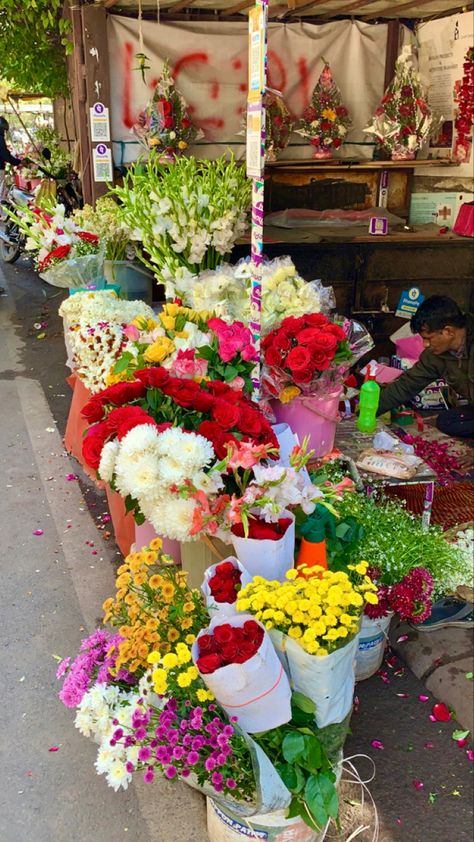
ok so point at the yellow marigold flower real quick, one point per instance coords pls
(151, 558)
(183, 653)
(122, 569)
(156, 544)
(314, 611)
(193, 672)
(345, 619)
(342, 631)
(186, 623)
(143, 650)
(311, 647)
(159, 674)
(140, 578)
(151, 624)
(170, 661)
(309, 635)
(371, 598)
(173, 635)
(188, 607)
(289, 393)
(190, 638)
(243, 604)
(329, 114)
(108, 604)
(168, 590)
(295, 632)
(124, 631)
(121, 593)
(134, 665)
(183, 680)
(331, 634)
(201, 695)
(291, 574)
(155, 581)
(361, 568)
(123, 580)
(319, 627)
(357, 600)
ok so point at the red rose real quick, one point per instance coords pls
(298, 357)
(209, 663)
(226, 568)
(303, 375)
(203, 402)
(282, 342)
(225, 414)
(185, 123)
(315, 319)
(168, 122)
(308, 335)
(224, 633)
(206, 643)
(319, 359)
(93, 410)
(337, 142)
(341, 111)
(336, 331)
(216, 435)
(326, 126)
(247, 650)
(273, 357)
(407, 91)
(93, 444)
(57, 254)
(152, 378)
(326, 341)
(131, 423)
(230, 652)
(125, 414)
(253, 631)
(250, 421)
(121, 393)
(165, 106)
(183, 392)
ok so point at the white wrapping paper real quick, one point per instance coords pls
(225, 609)
(270, 559)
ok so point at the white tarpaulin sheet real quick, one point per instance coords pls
(209, 63)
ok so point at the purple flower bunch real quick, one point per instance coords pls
(198, 741)
(92, 664)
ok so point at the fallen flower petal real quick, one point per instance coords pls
(53, 748)
(71, 477)
(377, 744)
(461, 743)
(423, 698)
(441, 712)
(402, 695)
(38, 532)
(402, 638)
(429, 745)
(418, 784)
(470, 754)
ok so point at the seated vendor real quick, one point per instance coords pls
(448, 336)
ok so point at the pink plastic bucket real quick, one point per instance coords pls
(313, 417)
(145, 533)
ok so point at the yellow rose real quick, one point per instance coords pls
(159, 350)
(168, 322)
(171, 310)
(289, 393)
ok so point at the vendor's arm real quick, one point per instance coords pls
(5, 154)
(427, 369)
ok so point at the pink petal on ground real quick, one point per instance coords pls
(53, 748)
(423, 698)
(106, 518)
(470, 754)
(429, 745)
(441, 712)
(402, 695)
(432, 718)
(377, 744)
(462, 743)
(38, 532)
(398, 821)
(418, 784)
(402, 638)
(71, 477)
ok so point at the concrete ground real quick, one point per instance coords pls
(53, 588)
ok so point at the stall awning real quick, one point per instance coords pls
(279, 9)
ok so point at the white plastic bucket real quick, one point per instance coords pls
(372, 642)
(224, 826)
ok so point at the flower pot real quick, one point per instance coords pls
(322, 153)
(372, 642)
(312, 416)
(145, 533)
(401, 153)
(225, 826)
(270, 559)
(257, 691)
(135, 281)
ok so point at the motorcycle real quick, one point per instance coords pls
(12, 239)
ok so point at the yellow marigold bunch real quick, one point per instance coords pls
(174, 672)
(153, 607)
(321, 610)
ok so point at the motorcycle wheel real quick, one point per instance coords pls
(10, 252)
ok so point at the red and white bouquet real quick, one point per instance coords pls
(64, 255)
(464, 99)
(326, 120)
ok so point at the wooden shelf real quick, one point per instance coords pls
(349, 164)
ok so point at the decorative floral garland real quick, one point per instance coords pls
(464, 98)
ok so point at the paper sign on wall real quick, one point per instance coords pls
(99, 123)
(410, 300)
(102, 157)
(255, 148)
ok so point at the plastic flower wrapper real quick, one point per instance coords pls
(403, 120)
(325, 120)
(278, 124)
(82, 271)
(106, 222)
(188, 216)
(165, 125)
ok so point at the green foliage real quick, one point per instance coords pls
(33, 45)
(299, 755)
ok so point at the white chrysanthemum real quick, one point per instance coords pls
(173, 518)
(106, 756)
(189, 450)
(107, 460)
(117, 777)
(210, 483)
(139, 440)
(84, 723)
(140, 477)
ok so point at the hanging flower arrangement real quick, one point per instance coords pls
(326, 120)
(278, 124)
(464, 99)
(165, 125)
(403, 120)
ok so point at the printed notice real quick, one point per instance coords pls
(99, 123)
(256, 53)
(102, 157)
(254, 150)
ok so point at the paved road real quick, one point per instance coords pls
(53, 587)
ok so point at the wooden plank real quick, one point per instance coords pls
(180, 4)
(76, 68)
(398, 7)
(298, 6)
(346, 9)
(239, 7)
(96, 61)
(391, 55)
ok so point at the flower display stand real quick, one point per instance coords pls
(197, 556)
(77, 425)
(313, 417)
(122, 521)
(224, 826)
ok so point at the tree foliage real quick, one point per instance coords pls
(34, 43)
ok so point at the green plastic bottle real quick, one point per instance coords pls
(368, 404)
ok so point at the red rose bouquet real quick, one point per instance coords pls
(165, 124)
(226, 582)
(303, 354)
(238, 663)
(326, 120)
(261, 530)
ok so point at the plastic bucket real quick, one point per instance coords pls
(313, 417)
(135, 282)
(225, 826)
(372, 642)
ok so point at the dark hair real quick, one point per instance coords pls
(3, 125)
(435, 313)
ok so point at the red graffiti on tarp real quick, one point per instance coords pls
(276, 72)
(303, 84)
(127, 118)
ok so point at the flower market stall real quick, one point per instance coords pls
(262, 563)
